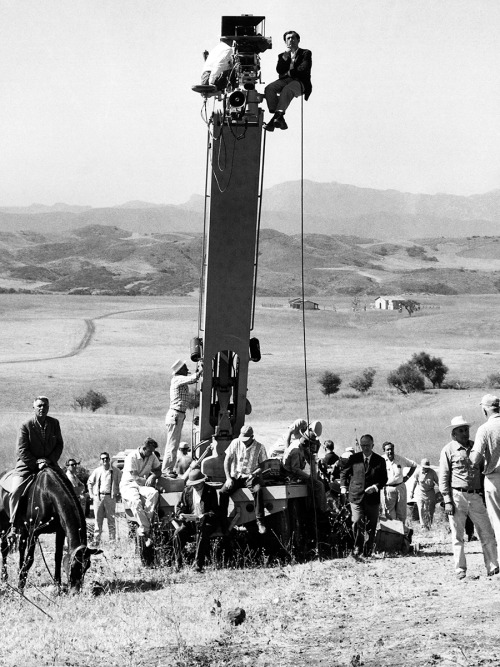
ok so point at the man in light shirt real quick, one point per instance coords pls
(140, 471)
(241, 467)
(104, 487)
(218, 66)
(394, 495)
(179, 403)
(460, 484)
(487, 448)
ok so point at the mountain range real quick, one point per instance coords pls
(356, 241)
(329, 208)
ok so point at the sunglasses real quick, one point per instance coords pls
(104, 458)
(71, 465)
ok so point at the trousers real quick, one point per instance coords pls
(104, 508)
(394, 502)
(173, 423)
(281, 92)
(142, 500)
(472, 504)
(364, 520)
(492, 497)
(252, 483)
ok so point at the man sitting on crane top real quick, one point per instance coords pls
(294, 69)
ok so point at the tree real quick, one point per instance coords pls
(410, 305)
(406, 379)
(92, 400)
(330, 383)
(364, 381)
(431, 367)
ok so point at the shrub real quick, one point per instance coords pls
(92, 400)
(431, 367)
(364, 381)
(330, 383)
(493, 380)
(406, 379)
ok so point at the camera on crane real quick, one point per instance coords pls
(245, 34)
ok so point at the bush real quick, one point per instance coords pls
(364, 381)
(493, 380)
(406, 379)
(431, 367)
(330, 383)
(92, 400)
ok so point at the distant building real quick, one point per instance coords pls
(308, 305)
(389, 303)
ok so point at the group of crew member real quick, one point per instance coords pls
(294, 76)
(374, 485)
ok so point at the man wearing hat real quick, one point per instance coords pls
(196, 514)
(294, 462)
(179, 397)
(460, 484)
(423, 490)
(294, 432)
(184, 459)
(241, 467)
(487, 449)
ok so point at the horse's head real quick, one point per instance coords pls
(77, 563)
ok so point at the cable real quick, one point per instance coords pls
(304, 337)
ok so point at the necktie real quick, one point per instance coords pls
(366, 464)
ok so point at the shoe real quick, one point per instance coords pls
(261, 527)
(280, 123)
(472, 538)
(461, 575)
(494, 572)
(269, 127)
(198, 568)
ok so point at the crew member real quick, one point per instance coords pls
(104, 486)
(241, 467)
(363, 476)
(460, 484)
(196, 513)
(39, 444)
(394, 497)
(294, 69)
(487, 448)
(218, 66)
(294, 463)
(140, 472)
(179, 397)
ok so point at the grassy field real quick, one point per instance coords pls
(392, 611)
(136, 340)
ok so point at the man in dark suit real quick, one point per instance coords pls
(364, 475)
(294, 69)
(39, 444)
(196, 513)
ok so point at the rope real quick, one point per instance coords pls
(304, 336)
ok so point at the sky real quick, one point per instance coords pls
(96, 106)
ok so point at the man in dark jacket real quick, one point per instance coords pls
(39, 444)
(364, 475)
(196, 513)
(294, 69)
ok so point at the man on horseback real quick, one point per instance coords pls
(39, 444)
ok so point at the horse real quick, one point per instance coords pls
(49, 506)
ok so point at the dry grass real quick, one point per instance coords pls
(392, 611)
